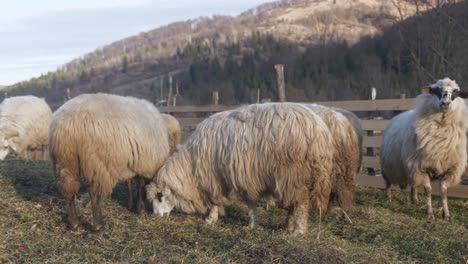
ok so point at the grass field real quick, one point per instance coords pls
(32, 229)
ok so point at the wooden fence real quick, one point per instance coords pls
(373, 124)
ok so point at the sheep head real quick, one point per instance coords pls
(6, 141)
(446, 90)
(163, 200)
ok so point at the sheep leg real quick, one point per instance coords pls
(388, 190)
(290, 218)
(44, 153)
(72, 214)
(302, 214)
(68, 183)
(270, 202)
(253, 214)
(443, 192)
(24, 155)
(414, 194)
(298, 213)
(34, 154)
(97, 213)
(428, 191)
(140, 203)
(221, 211)
(213, 215)
(130, 194)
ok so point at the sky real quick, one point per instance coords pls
(38, 36)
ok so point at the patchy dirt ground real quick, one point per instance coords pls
(32, 229)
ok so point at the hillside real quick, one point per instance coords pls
(326, 46)
(298, 21)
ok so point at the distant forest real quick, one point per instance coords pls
(405, 57)
(411, 53)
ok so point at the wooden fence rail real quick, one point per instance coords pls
(190, 116)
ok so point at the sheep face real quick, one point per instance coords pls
(446, 90)
(5, 146)
(163, 201)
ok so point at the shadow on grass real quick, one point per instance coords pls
(33, 180)
(120, 195)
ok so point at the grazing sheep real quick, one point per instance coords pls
(105, 139)
(280, 150)
(356, 122)
(173, 130)
(24, 125)
(427, 144)
(346, 162)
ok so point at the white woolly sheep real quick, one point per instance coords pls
(427, 144)
(345, 134)
(174, 133)
(105, 139)
(283, 150)
(356, 122)
(24, 125)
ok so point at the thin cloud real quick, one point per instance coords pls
(19, 11)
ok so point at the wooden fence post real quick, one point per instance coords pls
(174, 98)
(215, 97)
(161, 88)
(370, 151)
(281, 86)
(169, 94)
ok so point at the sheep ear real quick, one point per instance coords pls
(151, 191)
(463, 94)
(426, 89)
(11, 144)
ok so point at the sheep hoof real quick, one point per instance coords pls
(74, 226)
(250, 227)
(211, 220)
(140, 210)
(430, 219)
(298, 231)
(98, 228)
(448, 218)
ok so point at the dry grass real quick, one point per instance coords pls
(32, 229)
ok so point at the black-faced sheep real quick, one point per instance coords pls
(174, 133)
(346, 136)
(427, 144)
(104, 139)
(24, 125)
(283, 150)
